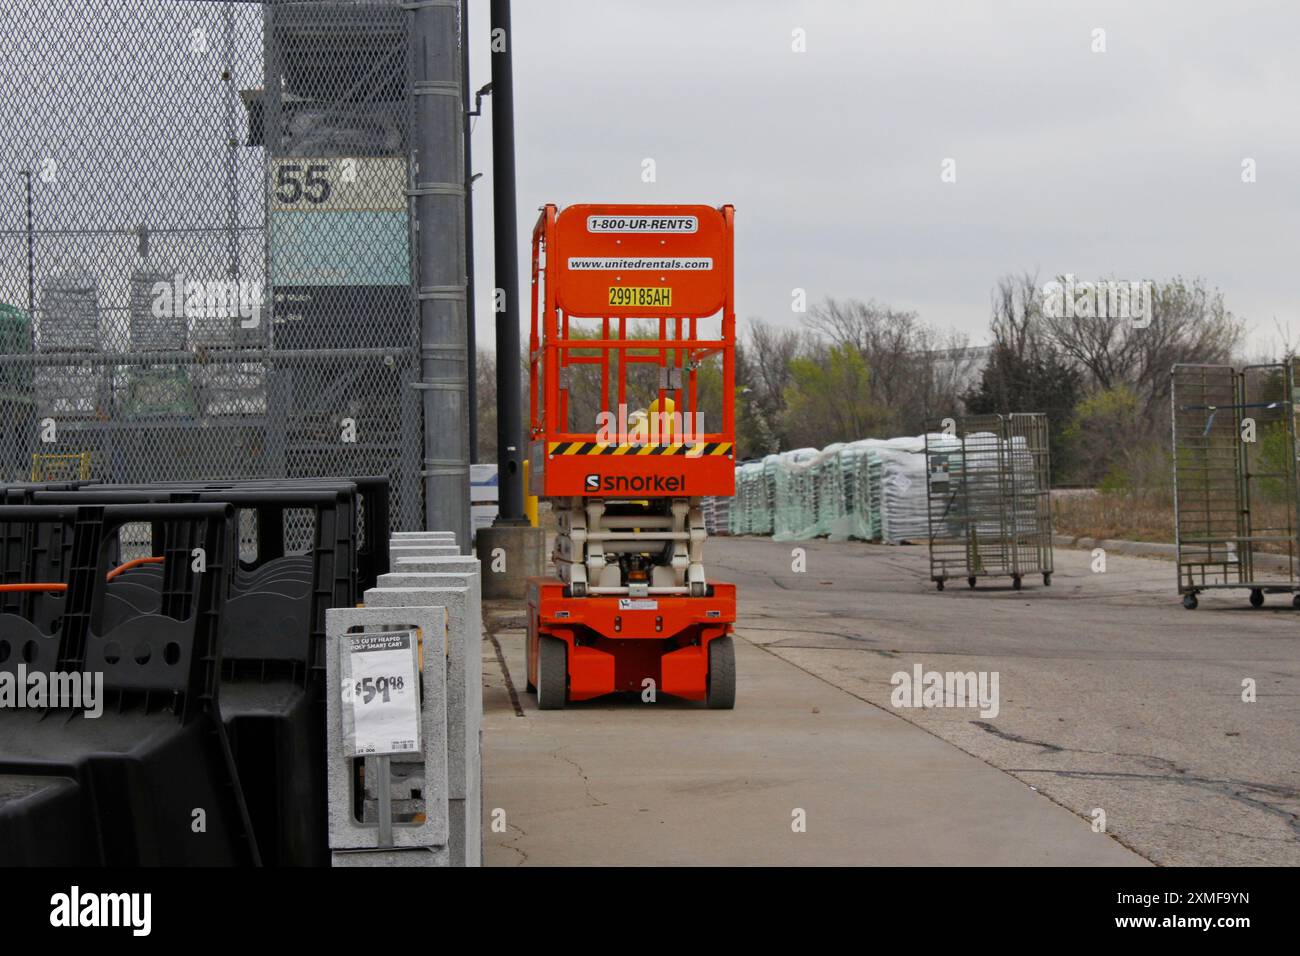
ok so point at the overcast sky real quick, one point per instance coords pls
(1124, 163)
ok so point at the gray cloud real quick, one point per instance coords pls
(1121, 163)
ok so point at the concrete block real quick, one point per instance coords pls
(511, 554)
(345, 831)
(414, 856)
(459, 593)
(467, 566)
(463, 563)
(399, 536)
(431, 550)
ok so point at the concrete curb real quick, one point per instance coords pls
(1152, 549)
(1138, 549)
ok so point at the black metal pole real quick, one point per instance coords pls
(471, 338)
(510, 477)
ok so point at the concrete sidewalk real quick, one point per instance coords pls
(626, 783)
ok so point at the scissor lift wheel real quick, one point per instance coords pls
(722, 674)
(552, 673)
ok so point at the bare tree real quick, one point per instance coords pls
(1017, 321)
(763, 358)
(487, 404)
(916, 373)
(1189, 323)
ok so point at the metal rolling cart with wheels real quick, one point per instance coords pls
(988, 481)
(1235, 490)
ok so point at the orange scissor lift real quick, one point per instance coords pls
(617, 288)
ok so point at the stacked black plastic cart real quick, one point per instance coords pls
(201, 608)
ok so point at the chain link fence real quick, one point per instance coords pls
(206, 251)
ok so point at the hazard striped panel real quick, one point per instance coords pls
(686, 449)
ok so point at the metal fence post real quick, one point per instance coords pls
(439, 207)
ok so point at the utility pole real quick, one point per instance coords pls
(471, 337)
(511, 551)
(510, 437)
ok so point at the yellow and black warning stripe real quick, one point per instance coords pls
(688, 449)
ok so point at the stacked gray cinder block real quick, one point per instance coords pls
(399, 549)
(356, 842)
(452, 582)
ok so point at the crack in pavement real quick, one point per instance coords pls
(505, 673)
(1224, 788)
(1016, 738)
(586, 781)
(510, 844)
(1233, 833)
(1173, 773)
(803, 630)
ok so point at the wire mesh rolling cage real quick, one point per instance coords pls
(1235, 489)
(988, 494)
(205, 247)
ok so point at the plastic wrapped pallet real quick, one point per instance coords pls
(829, 502)
(872, 489)
(903, 507)
(855, 519)
(795, 514)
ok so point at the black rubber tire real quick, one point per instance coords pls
(1256, 597)
(1295, 601)
(939, 584)
(552, 673)
(1047, 579)
(1190, 602)
(970, 582)
(721, 694)
(1015, 583)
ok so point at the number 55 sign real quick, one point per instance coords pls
(330, 184)
(381, 694)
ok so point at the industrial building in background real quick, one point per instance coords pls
(240, 254)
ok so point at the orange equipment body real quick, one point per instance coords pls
(614, 649)
(617, 266)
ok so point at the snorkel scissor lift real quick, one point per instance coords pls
(621, 294)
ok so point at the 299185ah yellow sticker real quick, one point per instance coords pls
(652, 297)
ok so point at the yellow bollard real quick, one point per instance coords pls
(530, 501)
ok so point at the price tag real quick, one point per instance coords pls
(381, 693)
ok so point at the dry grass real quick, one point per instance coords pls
(1094, 514)
(1135, 517)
